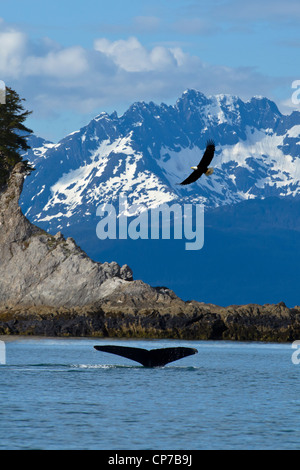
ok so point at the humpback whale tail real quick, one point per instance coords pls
(152, 358)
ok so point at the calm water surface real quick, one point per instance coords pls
(63, 394)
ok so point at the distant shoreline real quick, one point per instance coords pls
(268, 323)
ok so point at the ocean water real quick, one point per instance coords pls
(63, 394)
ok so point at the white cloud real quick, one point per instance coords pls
(131, 56)
(12, 51)
(56, 79)
(69, 62)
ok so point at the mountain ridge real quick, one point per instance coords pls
(150, 148)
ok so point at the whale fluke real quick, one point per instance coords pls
(152, 358)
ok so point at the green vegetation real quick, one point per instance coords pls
(13, 134)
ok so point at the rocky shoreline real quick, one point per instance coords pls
(269, 323)
(50, 287)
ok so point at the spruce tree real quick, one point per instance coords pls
(13, 134)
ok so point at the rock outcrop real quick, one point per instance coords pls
(49, 286)
(39, 269)
(172, 319)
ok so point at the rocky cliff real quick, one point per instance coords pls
(39, 269)
(49, 286)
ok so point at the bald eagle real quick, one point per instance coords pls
(203, 165)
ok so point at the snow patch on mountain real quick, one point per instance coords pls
(294, 132)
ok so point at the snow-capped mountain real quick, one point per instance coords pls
(148, 150)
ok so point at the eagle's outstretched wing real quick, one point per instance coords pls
(193, 177)
(153, 358)
(207, 156)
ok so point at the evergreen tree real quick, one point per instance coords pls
(13, 134)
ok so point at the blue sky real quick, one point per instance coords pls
(71, 60)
